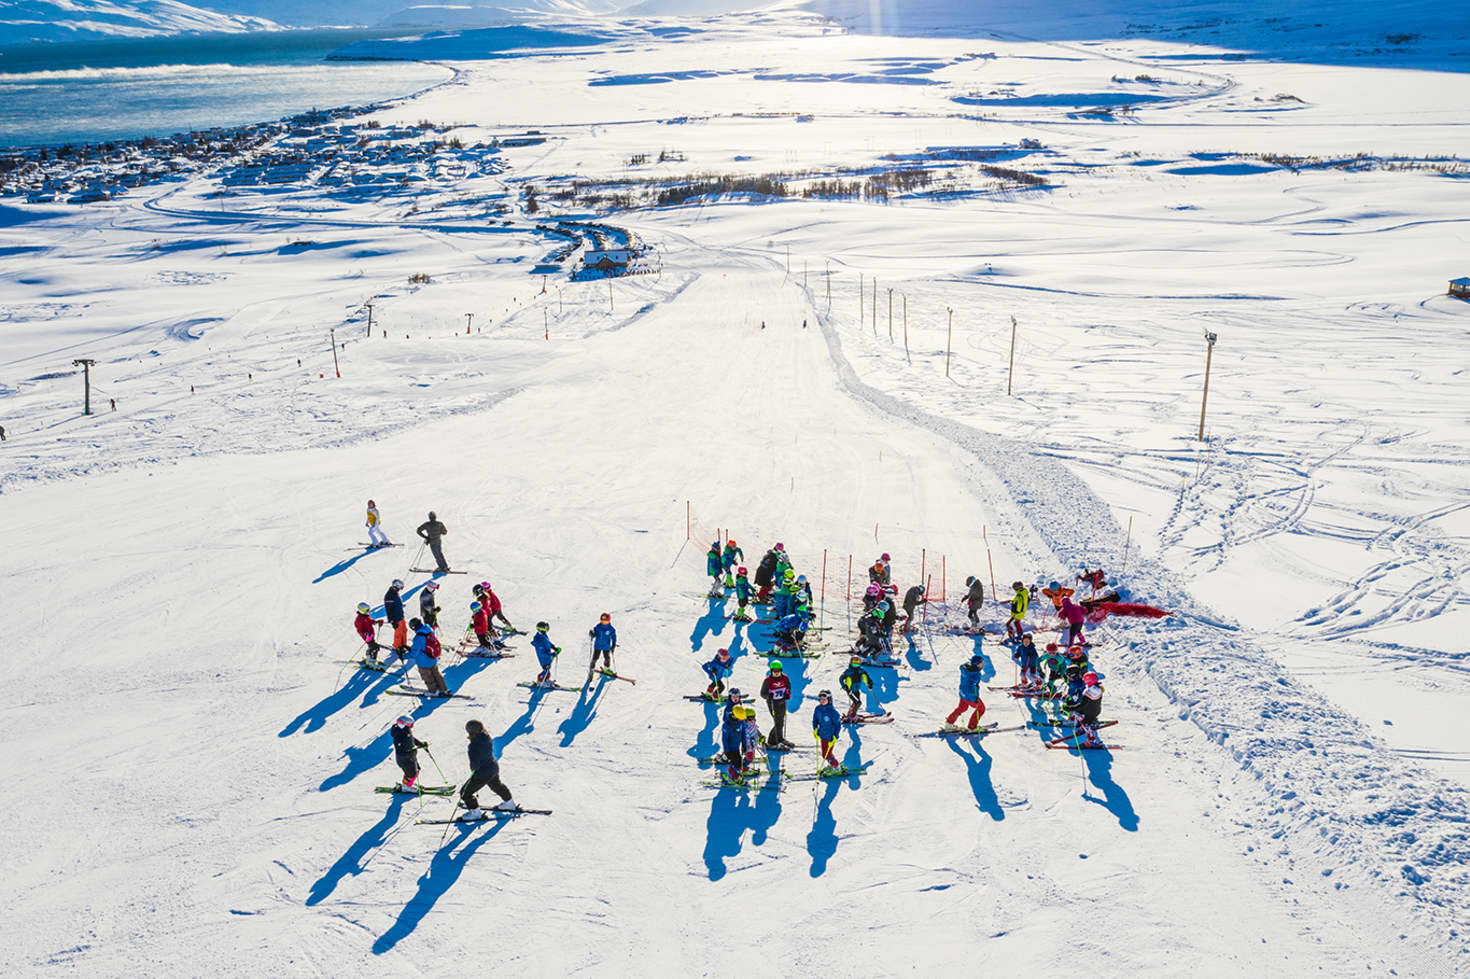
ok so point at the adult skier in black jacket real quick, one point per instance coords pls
(484, 773)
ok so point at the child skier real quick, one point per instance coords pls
(393, 612)
(376, 537)
(426, 652)
(826, 726)
(1056, 667)
(742, 597)
(750, 739)
(776, 691)
(853, 680)
(732, 742)
(428, 606)
(1073, 615)
(491, 601)
(1077, 668)
(1020, 602)
(872, 597)
(545, 653)
(406, 752)
(870, 634)
(911, 600)
(484, 773)
(791, 629)
(712, 568)
(490, 643)
(1057, 593)
(969, 695)
(974, 600)
(879, 573)
(1089, 709)
(366, 627)
(717, 670)
(732, 556)
(1025, 657)
(765, 575)
(604, 643)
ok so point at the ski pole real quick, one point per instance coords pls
(436, 764)
(452, 814)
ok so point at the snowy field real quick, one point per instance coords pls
(1289, 795)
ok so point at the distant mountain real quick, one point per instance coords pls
(373, 13)
(26, 21)
(451, 15)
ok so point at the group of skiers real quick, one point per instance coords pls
(431, 532)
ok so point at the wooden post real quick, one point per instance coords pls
(370, 319)
(948, 340)
(1126, 542)
(335, 367)
(468, 319)
(923, 555)
(545, 325)
(989, 561)
(1210, 339)
(924, 616)
(1012, 368)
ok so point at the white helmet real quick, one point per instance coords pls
(397, 582)
(405, 721)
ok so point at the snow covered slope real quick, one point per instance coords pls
(25, 21)
(1287, 793)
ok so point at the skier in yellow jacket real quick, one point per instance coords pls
(1020, 602)
(376, 537)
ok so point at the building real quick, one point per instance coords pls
(1460, 288)
(607, 259)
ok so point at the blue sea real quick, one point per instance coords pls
(52, 94)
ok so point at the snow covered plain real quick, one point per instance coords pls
(1291, 793)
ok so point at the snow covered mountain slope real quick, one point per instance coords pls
(1287, 789)
(25, 21)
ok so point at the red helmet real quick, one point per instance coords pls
(730, 542)
(605, 617)
(1089, 678)
(740, 571)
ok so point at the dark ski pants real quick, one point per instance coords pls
(778, 721)
(1074, 634)
(486, 777)
(372, 650)
(606, 655)
(410, 766)
(974, 613)
(438, 550)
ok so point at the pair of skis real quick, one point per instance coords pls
(486, 816)
(867, 718)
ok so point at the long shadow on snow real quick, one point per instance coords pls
(711, 623)
(369, 756)
(583, 713)
(1100, 773)
(350, 864)
(705, 746)
(444, 870)
(915, 657)
(821, 842)
(366, 683)
(523, 724)
(977, 765)
(343, 565)
(730, 815)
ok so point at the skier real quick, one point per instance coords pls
(969, 695)
(1020, 601)
(406, 752)
(432, 532)
(1094, 578)
(545, 653)
(750, 739)
(732, 556)
(826, 726)
(732, 742)
(493, 611)
(1056, 667)
(376, 537)
(870, 634)
(765, 573)
(733, 699)
(426, 652)
(604, 642)
(888, 616)
(1057, 593)
(1077, 668)
(366, 627)
(1089, 709)
(803, 591)
(880, 573)
(393, 612)
(428, 607)
(1025, 657)
(776, 691)
(490, 644)
(853, 680)
(1073, 615)
(717, 670)
(872, 597)
(974, 600)
(911, 600)
(791, 629)
(742, 596)
(484, 773)
(712, 568)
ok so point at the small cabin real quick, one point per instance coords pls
(607, 259)
(1460, 288)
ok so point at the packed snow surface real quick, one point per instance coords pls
(939, 296)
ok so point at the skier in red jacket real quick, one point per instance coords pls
(776, 691)
(366, 627)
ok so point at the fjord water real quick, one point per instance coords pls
(52, 94)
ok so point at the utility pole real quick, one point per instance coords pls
(335, 365)
(86, 365)
(1210, 339)
(370, 319)
(1011, 369)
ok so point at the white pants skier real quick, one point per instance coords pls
(376, 537)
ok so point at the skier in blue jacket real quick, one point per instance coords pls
(545, 653)
(713, 567)
(969, 695)
(792, 627)
(732, 741)
(717, 670)
(604, 642)
(826, 725)
(732, 556)
(743, 594)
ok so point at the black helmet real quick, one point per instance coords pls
(734, 692)
(969, 581)
(474, 727)
(431, 515)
